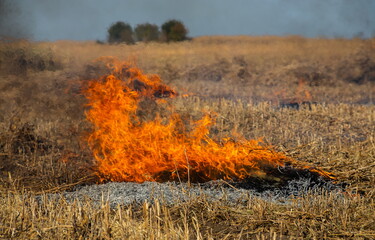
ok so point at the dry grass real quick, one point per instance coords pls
(326, 216)
(244, 80)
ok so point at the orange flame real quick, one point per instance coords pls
(302, 94)
(127, 149)
(299, 96)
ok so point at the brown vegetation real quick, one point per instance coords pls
(247, 81)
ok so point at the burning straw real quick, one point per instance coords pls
(129, 149)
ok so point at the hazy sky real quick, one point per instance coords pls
(89, 19)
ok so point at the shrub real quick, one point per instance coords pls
(20, 57)
(147, 32)
(120, 32)
(174, 30)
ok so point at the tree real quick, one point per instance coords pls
(120, 32)
(174, 30)
(147, 32)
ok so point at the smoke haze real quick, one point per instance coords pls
(89, 20)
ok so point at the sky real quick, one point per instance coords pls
(50, 20)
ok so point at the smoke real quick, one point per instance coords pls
(310, 18)
(331, 18)
(14, 23)
(89, 20)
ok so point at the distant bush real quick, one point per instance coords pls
(20, 57)
(99, 42)
(120, 32)
(147, 32)
(174, 30)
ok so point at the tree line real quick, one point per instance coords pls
(171, 31)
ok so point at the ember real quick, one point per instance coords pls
(129, 149)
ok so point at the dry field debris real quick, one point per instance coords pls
(312, 99)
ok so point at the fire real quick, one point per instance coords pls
(300, 96)
(129, 149)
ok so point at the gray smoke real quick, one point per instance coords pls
(13, 22)
(89, 20)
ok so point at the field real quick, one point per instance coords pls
(311, 99)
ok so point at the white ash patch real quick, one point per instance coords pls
(126, 193)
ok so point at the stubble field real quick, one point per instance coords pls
(312, 99)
